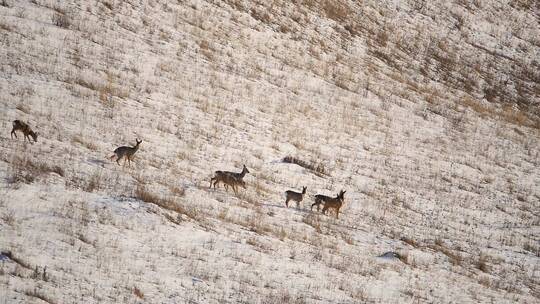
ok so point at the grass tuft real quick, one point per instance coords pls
(319, 169)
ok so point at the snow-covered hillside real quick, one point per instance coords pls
(425, 112)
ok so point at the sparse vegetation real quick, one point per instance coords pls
(454, 257)
(482, 264)
(79, 139)
(61, 19)
(170, 204)
(312, 220)
(95, 182)
(9, 218)
(316, 168)
(426, 112)
(138, 293)
(36, 294)
(15, 258)
(26, 170)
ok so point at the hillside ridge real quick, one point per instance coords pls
(425, 113)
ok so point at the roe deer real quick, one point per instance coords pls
(334, 203)
(294, 196)
(19, 125)
(323, 199)
(229, 178)
(236, 182)
(126, 152)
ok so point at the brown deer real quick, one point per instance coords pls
(126, 153)
(236, 182)
(19, 125)
(229, 178)
(330, 201)
(334, 203)
(295, 197)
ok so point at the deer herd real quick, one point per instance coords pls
(227, 178)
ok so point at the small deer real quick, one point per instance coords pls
(294, 196)
(19, 125)
(229, 178)
(236, 182)
(126, 153)
(323, 199)
(334, 203)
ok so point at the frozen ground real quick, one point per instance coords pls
(426, 113)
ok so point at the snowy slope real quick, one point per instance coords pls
(425, 113)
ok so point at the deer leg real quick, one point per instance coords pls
(13, 133)
(29, 139)
(287, 202)
(118, 159)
